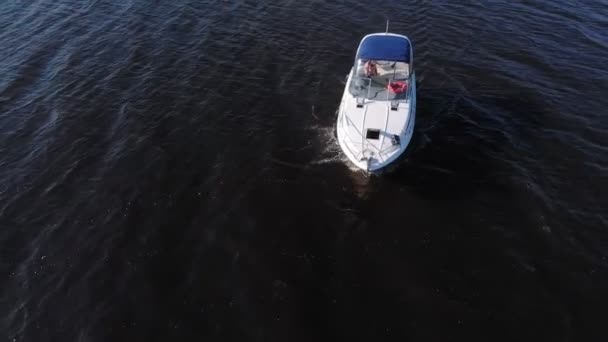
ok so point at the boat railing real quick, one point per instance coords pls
(367, 147)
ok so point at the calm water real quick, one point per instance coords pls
(168, 172)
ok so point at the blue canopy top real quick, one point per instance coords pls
(385, 48)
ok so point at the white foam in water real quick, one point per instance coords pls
(330, 153)
(330, 149)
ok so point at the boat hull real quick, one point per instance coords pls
(365, 155)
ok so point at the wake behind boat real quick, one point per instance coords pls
(378, 109)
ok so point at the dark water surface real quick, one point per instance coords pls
(168, 173)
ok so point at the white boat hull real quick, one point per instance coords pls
(354, 121)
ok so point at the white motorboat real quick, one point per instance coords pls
(378, 109)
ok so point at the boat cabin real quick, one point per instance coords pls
(383, 68)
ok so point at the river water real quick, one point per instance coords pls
(168, 172)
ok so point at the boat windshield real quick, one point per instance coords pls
(380, 80)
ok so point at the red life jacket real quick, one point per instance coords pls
(397, 87)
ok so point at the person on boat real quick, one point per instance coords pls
(371, 69)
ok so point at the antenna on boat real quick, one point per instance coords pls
(387, 21)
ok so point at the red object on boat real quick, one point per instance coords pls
(397, 87)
